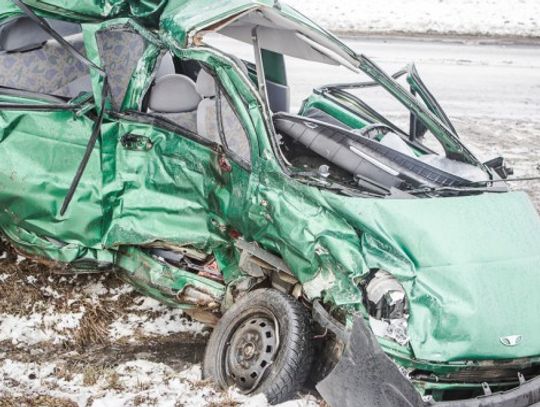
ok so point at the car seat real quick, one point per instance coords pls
(175, 98)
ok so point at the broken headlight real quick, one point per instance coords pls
(387, 307)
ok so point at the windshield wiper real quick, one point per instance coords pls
(314, 179)
(521, 179)
(428, 190)
(476, 186)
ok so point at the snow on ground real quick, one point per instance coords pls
(513, 18)
(92, 341)
(134, 383)
(167, 322)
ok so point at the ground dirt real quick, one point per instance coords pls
(92, 341)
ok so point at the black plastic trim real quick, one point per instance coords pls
(526, 395)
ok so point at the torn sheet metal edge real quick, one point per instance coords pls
(366, 376)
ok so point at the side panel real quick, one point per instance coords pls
(40, 154)
(169, 190)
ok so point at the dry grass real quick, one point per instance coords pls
(63, 371)
(36, 401)
(113, 381)
(201, 384)
(91, 375)
(94, 325)
(147, 401)
(226, 401)
(29, 287)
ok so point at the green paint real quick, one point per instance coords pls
(470, 265)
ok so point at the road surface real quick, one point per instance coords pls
(501, 81)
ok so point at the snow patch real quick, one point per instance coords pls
(519, 18)
(37, 327)
(95, 289)
(137, 382)
(147, 304)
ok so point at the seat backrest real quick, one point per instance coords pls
(166, 66)
(207, 125)
(47, 69)
(73, 89)
(119, 52)
(205, 85)
(173, 94)
(207, 117)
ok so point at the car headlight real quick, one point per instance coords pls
(387, 307)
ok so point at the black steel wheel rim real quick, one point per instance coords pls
(250, 351)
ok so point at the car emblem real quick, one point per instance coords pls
(512, 340)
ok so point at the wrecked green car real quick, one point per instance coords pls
(330, 244)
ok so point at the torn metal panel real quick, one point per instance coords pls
(89, 10)
(378, 382)
(76, 258)
(167, 207)
(471, 244)
(31, 196)
(172, 285)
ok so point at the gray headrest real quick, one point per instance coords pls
(206, 84)
(22, 34)
(166, 66)
(173, 94)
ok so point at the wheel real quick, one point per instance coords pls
(263, 344)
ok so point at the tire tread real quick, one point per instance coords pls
(291, 376)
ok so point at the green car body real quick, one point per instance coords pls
(468, 264)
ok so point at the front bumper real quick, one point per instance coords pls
(526, 395)
(366, 376)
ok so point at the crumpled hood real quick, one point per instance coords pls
(470, 266)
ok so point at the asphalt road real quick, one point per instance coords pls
(501, 81)
(469, 79)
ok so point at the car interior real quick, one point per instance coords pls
(373, 156)
(35, 64)
(30, 60)
(203, 107)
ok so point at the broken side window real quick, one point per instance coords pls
(173, 95)
(218, 121)
(187, 95)
(235, 136)
(119, 50)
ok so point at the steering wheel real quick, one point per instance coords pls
(374, 131)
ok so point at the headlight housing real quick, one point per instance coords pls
(387, 307)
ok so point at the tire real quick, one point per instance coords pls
(239, 346)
